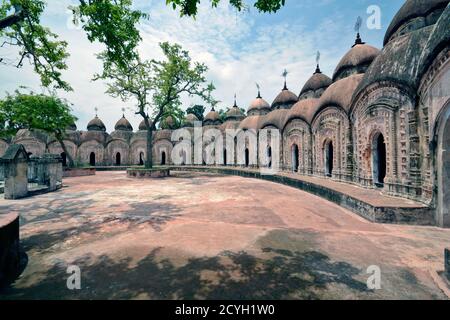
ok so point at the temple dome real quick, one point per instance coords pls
(339, 94)
(190, 120)
(142, 126)
(285, 99)
(168, 123)
(356, 60)
(304, 110)
(318, 81)
(414, 15)
(276, 118)
(250, 123)
(212, 118)
(96, 125)
(72, 127)
(258, 106)
(123, 125)
(235, 113)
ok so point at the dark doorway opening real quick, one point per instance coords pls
(141, 159)
(225, 157)
(118, 160)
(247, 157)
(64, 159)
(379, 160)
(163, 158)
(329, 158)
(92, 159)
(295, 160)
(269, 156)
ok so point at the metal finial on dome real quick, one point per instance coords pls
(123, 112)
(259, 91)
(96, 111)
(318, 62)
(284, 75)
(358, 25)
(235, 103)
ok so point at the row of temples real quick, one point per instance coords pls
(381, 120)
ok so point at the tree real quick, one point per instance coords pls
(190, 7)
(36, 112)
(35, 42)
(110, 22)
(157, 85)
(198, 111)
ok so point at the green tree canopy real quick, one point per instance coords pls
(157, 87)
(198, 111)
(35, 42)
(36, 112)
(190, 7)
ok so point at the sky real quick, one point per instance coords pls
(240, 49)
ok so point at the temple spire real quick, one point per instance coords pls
(235, 103)
(357, 30)
(259, 91)
(123, 112)
(285, 74)
(318, 63)
(96, 112)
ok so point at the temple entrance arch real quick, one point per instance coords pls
(118, 159)
(378, 159)
(328, 158)
(92, 159)
(443, 168)
(295, 161)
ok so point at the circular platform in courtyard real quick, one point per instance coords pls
(142, 173)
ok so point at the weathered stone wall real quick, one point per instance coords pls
(297, 135)
(69, 173)
(16, 180)
(116, 147)
(92, 146)
(331, 126)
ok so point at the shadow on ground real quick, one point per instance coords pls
(285, 275)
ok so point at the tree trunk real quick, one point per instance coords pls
(70, 163)
(149, 158)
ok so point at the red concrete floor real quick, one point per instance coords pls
(205, 236)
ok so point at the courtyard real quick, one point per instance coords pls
(208, 236)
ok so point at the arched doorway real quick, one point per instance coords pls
(378, 160)
(295, 161)
(443, 169)
(92, 159)
(118, 156)
(64, 159)
(141, 158)
(163, 158)
(247, 157)
(328, 156)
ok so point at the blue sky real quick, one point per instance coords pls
(239, 48)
